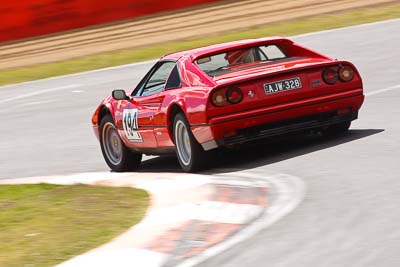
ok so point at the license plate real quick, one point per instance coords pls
(284, 85)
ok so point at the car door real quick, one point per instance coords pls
(138, 114)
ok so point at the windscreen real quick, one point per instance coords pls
(233, 60)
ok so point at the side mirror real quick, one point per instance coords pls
(120, 95)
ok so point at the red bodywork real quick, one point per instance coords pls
(258, 115)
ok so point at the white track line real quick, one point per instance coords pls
(348, 27)
(153, 61)
(39, 92)
(289, 196)
(119, 258)
(80, 73)
(383, 90)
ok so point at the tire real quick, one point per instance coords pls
(337, 129)
(189, 152)
(117, 156)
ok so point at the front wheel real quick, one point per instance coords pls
(117, 156)
(191, 155)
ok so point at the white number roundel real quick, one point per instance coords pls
(130, 124)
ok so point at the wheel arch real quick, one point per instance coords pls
(173, 110)
(102, 111)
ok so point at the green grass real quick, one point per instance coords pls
(42, 225)
(115, 58)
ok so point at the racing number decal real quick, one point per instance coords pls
(130, 124)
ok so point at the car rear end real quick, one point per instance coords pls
(296, 93)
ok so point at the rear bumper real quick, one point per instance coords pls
(300, 124)
(269, 121)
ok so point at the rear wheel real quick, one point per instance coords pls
(117, 156)
(191, 155)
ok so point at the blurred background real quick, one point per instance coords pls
(109, 33)
(22, 19)
(349, 216)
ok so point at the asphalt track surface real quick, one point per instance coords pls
(350, 214)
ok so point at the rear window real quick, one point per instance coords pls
(233, 60)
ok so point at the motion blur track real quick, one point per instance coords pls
(349, 216)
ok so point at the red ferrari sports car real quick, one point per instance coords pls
(195, 101)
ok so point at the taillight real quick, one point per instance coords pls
(219, 98)
(346, 73)
(330, 75)
(234, 95)
(226, 96)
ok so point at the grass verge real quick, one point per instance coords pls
(43, 224)
(286, 28)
